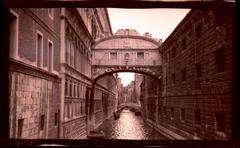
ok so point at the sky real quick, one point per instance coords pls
(158, 22)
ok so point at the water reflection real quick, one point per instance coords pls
(128, 126)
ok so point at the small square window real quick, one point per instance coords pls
(66, 88)
(70, 87)
(56, 119)
(74, 90)
(39, 46)
(113, 55)
(154, 62)
(140, 55)
(50, 54)
(42, 122)
(20, 128)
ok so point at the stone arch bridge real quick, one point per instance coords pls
(126, 51)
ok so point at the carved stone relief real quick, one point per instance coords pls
(97, 71)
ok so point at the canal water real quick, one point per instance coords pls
(129, 126)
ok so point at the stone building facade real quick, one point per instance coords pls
(138, 78)
(149, 97)
(50, 73)
(195, 101)
(34, 67)
(81, 27)
(105, 99)
(119, 89)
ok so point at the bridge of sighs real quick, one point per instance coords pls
(125, 51)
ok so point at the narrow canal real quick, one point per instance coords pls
(129, 126)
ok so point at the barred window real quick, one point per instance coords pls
(140, 55)
(42, 120)
(56, 119)
(20, 128)
(113, 55)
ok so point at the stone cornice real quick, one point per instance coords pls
(127, 36)
(18, 66)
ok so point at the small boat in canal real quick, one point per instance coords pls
(96, 135)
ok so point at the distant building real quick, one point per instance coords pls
(120, 97)
(138, 78)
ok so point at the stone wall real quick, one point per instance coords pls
(30, 98)
(75, 129)
(197, 76)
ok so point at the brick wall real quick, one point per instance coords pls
(209, 93)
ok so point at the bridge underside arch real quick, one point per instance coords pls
(98, 72)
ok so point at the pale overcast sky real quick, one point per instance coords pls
(158, 22)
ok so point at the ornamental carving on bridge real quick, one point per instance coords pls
(98, 71)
